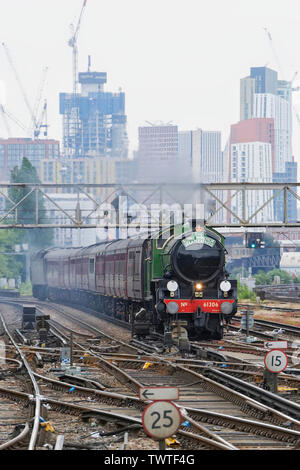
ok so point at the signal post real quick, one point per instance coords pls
(161, 418)
(275, 362)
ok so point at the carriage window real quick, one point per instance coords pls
(137, 262)
(92, 266)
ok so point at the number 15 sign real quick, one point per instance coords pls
(276, 361)
(161, 419)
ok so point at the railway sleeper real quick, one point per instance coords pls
(243, 427)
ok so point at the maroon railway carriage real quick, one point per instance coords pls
(106, 275)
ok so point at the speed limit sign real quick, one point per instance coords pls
(276, 361)
(161, 419)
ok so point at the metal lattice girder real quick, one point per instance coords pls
(145, 194)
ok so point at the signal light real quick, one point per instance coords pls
(255, 240)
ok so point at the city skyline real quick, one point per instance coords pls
(166, 76)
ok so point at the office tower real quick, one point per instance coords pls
(13, 150)
(289, 176)
(251, 159)
(158, 142)
(203, 150)
(247, 90)
(264, 96)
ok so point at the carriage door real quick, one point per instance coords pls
(91, 274)
(130, 273)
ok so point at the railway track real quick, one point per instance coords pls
(241, 421)
(36, 399)
(131, 380)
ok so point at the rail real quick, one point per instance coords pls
(37, 396)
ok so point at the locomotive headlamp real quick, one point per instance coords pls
(198, 286)
(225, 286)
(172, 286)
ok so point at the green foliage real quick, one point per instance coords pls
(10, 264)
(26, 288)
(245, 293)
(262, 278)
(36, 238)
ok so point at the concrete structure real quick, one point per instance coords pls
(290, 262)
(158, 142)
(266, 80)
(247, 90)
(202, 150)
(94, 121)
(253, 130)
(185, 139)
(80, 170)
(157, 158)
(13, 150)
(273, 106)
(252, 162)
(251, 159)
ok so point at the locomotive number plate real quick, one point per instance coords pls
(209, 304)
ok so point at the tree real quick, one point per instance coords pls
(36, 238)
(266, 278)
(245, 293)
(10, 265)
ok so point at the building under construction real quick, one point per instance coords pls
(94, 121)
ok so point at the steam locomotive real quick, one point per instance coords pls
(174, 275)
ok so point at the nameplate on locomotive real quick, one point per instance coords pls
(198, 239)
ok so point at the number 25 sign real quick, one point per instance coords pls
(161, 419)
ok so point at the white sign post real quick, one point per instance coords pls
(159, 393)
(275, 344)
(161, 419)
(275, 361)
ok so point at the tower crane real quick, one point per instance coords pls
(274, 51)
(278, 62)
(42, 122)
(35, 124)
(292, 89)
(35, 129)
(9, 58)
(5, 113)
(73, 43)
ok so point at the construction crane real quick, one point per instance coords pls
(42, 122)
(73, 43)
(9, 58)
(5, 122)
(274, 51)
(280, 68)
(35, 125)
(5, 113)
(279, 64)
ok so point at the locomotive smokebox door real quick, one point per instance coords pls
(28, 319)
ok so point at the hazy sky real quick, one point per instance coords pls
(178, 61)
